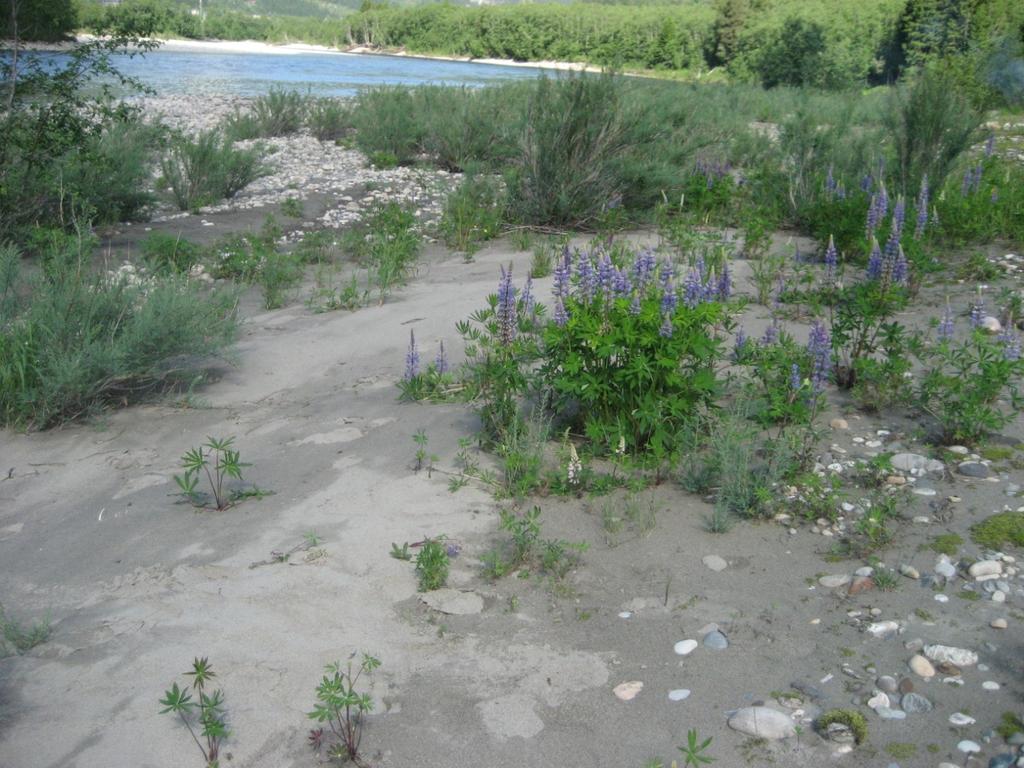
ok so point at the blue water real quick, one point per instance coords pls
(322, 74)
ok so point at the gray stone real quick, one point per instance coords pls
(762, 723)
(985, 568)
(716, 641)
(973, 469)
(1001, 761)
(679, 694)
(968, 747)
(915, 703)
(886, 684)
(714, 562)
(886, 713)
(961, 657)
(945, 569)
(909, 462)
(839, 733)
(832, 582)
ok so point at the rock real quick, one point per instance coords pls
(887, 713)
(909, 462)
(839, 424)
(945, 569)
(864, 570)
(714, 562)
(716, 641)
(454, 602)
(961, 657)
(906, 685)
(922, 667)
(968, 747)
(998, 596)
(861, 584)
(973, 469)
(990, 324)
(883, 629)
(831, 582)
(998, 624)
(990, 685)
(878, 700)
(940, 598)
(685, 647)
(809, 690)
(915, 703)
(1001, 761)
(895, 480)
(923, 490)
(628, 691)
(910, 571)
(679, 694)
(960, 450)
(839, 734)
(947, 668)
(960, 720)
(762, 723)
(985, 567)
(887, 684)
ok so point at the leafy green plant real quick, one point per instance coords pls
(886, 579)
(16, 638)
(205, 715)
(164, 253)
(472, 213)
(278, 274)
(387, 244)
(693, 752)
(1000, 530)
(277, 113)
(197, 462)
(343, 707)
(292, 207)
(423, 459)
(208, 168)
(432, 564)
(329, 119)
(401, 552)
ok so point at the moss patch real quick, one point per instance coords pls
(901, 749)
(852, 719)
(946, 544)
(1010, 725)
(1000, 530)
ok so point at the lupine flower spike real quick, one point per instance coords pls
(412, 358)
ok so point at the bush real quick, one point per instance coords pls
(329, 119)
(387, 244)
(164, 253)
(278, 113)
(202, 171)
(472, 212)
(386, 122)
(465, 127)
(72, 341)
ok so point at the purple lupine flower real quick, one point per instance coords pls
(563, 276)
(723, 290)
(441, 361)
(841, 191)
(795, 382)
(587, 277)
(605, 272)
(634, 305)
(976, 183)
(899, 216)
(561, 316)
(874, 271)
(819, 345)
(830, 184)
(529, 303)
(506, 311)
(739, 347)
(666, 327)
(669, 300)
(643, 266)
(990, 145)
(922, 209)
(702, 269)
(693, 289)
(771, 334)
(947, 325)
(900, 268)
(781, 286)
(866, 183)
(412, 358)
(882, 203)
(621, 285)
(831, 262)
(665, 275)
(872, 220)
(1011, 345)
(977, 310)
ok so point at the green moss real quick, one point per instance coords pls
(852, 719)
(946, 544)
(847, 652)
(933, 748)
(923, 615)
(1010, 725)
(968, 594)
(996, 452)
(901, 750)
(1000, 530)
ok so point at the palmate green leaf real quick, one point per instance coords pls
(176, 700)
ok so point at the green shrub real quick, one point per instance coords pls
(1000, 530)
(432, 565)
(277, 276)
(277, 113)
(464, 127)
(16, 638)
(164, 253)
(387, 125)
(387, 244)
(72, 341)
(472, 212)
(329, 119)
(202, 171)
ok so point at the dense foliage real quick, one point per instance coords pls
(44, 20)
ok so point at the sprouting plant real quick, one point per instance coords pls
(343, 708)
(401, 552)
(693, 752)
(292, 207)
(886, 579)
(432, 564)
(206, 714)
(14, 635)
(313, 539)
(226, 463)
(423, 458)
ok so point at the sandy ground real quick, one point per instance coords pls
(138, 583)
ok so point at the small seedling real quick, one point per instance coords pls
(206, 714)
(226, 463)
(401, 553)
(424, 459)
(693, 752)
(344, 709)
(292, 207)
(432, 565)
(19, 638)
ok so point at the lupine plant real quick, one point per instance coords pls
(206, 714)
(226, 464)
(343, 708)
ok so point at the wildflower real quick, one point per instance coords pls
(506, 311)
(771, 334)
(441, 361)
(587, 277)
(990, 145)
(947, 326)
(819, 345)
(922, 208)
(795, 382)
(872, 220)
(621, 285)
(605, 273)
(412, 358)
(452, 548)
(900, 268)
(965, 185)
(665, 331)
(899, 214)
(669, 300)
(831, 262)
(739, 348)
(529, 304)
(1011, 345)
(634, 305)
(830, 184)
(563, 275)
(561, 316)
(574, 473)
(866, 183)
(977, 310)
(665, 275)
(723, 290)
(882, 203)
(874, 271)
(643, 266)
(693, 289)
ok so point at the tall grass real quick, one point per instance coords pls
(72, 340)
(277, 113)
(208, 168)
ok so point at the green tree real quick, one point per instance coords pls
(43, 20)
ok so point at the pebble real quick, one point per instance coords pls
(628, 691)
(839, 734)
(839, 424)
(985, 568)
(685, 647)
(907, 462)
(878, 700)
(998, 596)
(922, 667)
(886, 683)
(961, 657)
(716, 641)
(910, 571)
(679, 694)
(883, 629)
(886, 713)
(1001, 761)
(626, 615)
(960, 720)
(990, 685)
(906, 685)
(861, 584)
(998, 624)
(762, 723)
(922, 490)
(865, 570)
(838, 580)
(973, 469)
(945, 569)
(714, 562)
(960, 450)
(895, 480)
(922, 519)
(990, 324)
(968, 747)
(940, 598)
(915, 703)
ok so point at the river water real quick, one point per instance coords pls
(172, 71)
